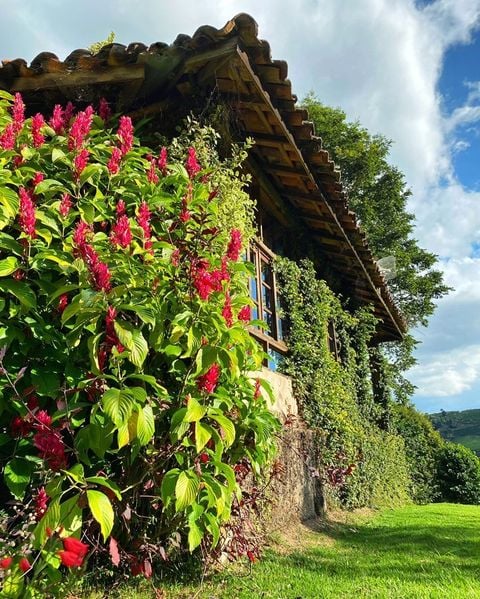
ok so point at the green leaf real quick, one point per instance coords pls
(118, 405)
(71, 516)
(195, 536)
(57, 154)
(145, 425)
(228, 428)
(167, 489)
(102, 511)
(104, 482)
(10, 202)
(195, 411)
(145, 314)
(7, 266)
(49, 185)
(20, 291)
(202, 436)
(7, 242)
(51, 519)
(186, 490)
(17, 475)
(139, 349)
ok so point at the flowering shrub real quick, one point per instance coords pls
(127, 413)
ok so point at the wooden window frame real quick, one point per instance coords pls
(258, 254)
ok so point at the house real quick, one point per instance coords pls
(297, 186)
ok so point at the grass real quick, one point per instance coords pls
(418, 552)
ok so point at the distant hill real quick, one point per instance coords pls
(460, 427)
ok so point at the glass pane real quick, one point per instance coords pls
(253, 289)
(255, 312)
(279, 329)
(267, 298)
(266, 272)
(267, 317)
(275, 359)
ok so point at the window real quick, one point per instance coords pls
(263, 291)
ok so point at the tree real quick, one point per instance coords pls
(378, 194)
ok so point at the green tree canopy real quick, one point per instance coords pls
(378, 193)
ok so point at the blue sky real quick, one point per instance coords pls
(409, 70)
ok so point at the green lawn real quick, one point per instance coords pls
(418, 552)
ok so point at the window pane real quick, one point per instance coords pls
(266, 272)
(267, 317)
(253, 289)
(267, 298)
(275, 359)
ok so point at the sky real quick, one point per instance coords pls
(408, 70)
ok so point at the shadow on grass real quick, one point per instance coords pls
(413, 552)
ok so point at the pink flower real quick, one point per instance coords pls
(37, 123)
(235, 245)
(24, 564)
(162, 161)
(62, 303)
(120, 208)
(152, 174)
(57, 121)
(20, 427)
(104, 111)
(121, 234)
(69, 112)
(49, 442)
(7, 138)
(192, 165)
(80, 234)
(27, 213)
(101, 276)
(5, 563)
(125, 133)
(65, 205)
(245, 314)
(111, 338)
(37, 178)
(41, 503)
(80, 128)
(114, 162)
(18, 112)
(227, 310)
(80, 162)
(143, 219)
(208, 381)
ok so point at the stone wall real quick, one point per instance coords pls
(297, 493)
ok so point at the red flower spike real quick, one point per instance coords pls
(80, 128)
(257, 393)
(143, 219)
(104, 111)
(245, 314)
(57, 120)
(65, 205)
(162, 161)
(75, 546)
(208, 381)
(120, 208)
(7, 138)
(192, 165)
(41, 503)
(18, 112)
(6, 562)
(24, 564)
(27, 213)
(235, 245)
(114, 162)
(125, 133)
(251, 556)
(121, 234)
(37, 178)
(152, 176)
(227, 310)
(80, 162)
(19, 427)
(204, 458)
(68, 114)
(62, 303)
(37, 123)
(70, 559)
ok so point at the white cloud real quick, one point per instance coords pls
(448, 373)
